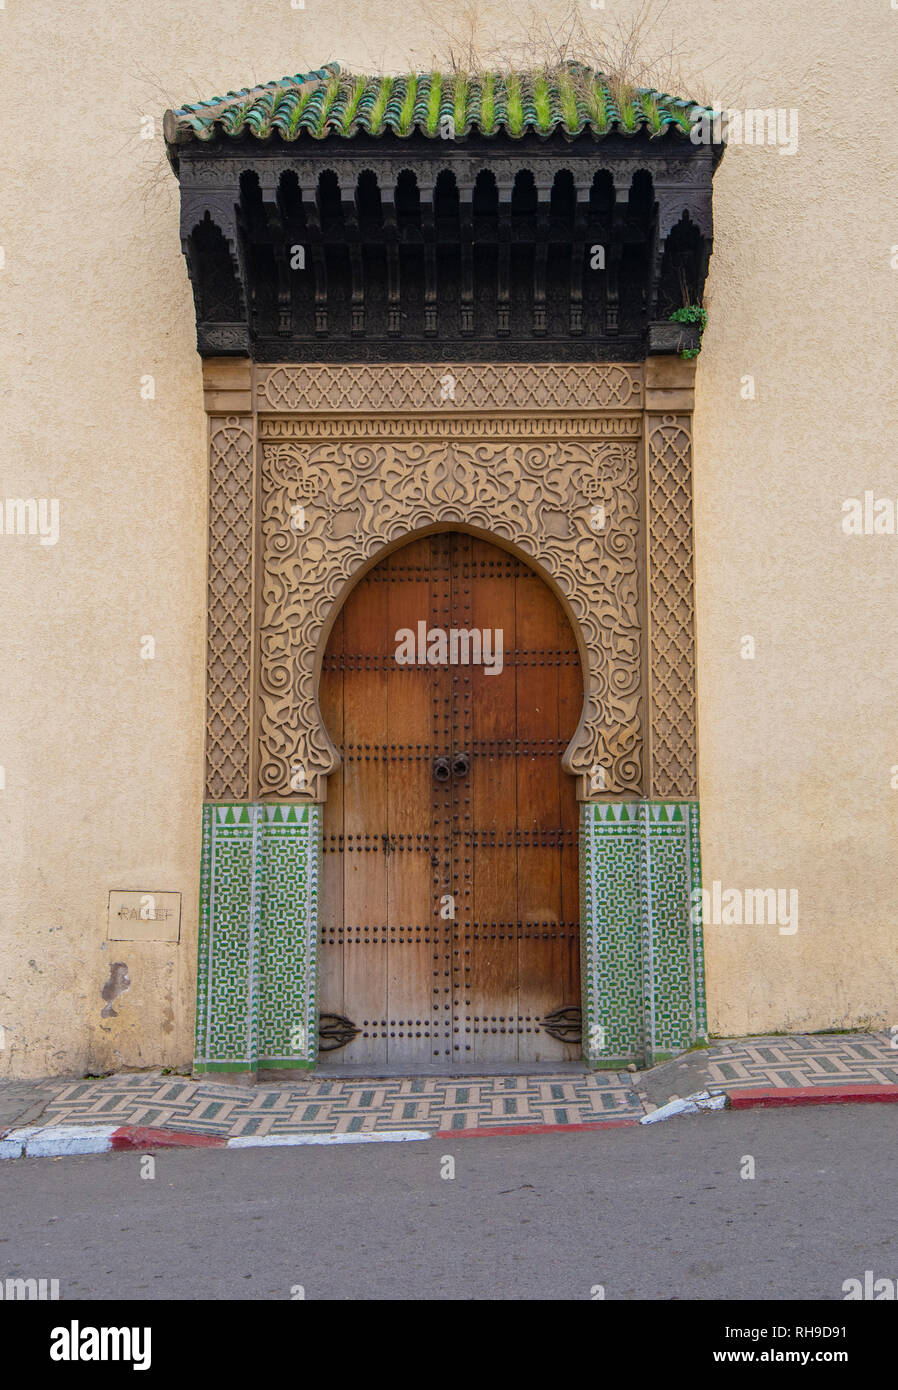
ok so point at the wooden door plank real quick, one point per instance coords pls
(331, 991)
(539, 810)
(493, 1011)
(443, 881)
(570, 708)
(414, 934)
(365, 707)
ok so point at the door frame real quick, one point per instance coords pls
(584, 472)
(338, 1021)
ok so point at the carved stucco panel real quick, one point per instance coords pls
(671, 643)
(330, 508)
(468, 386)
(229, 609)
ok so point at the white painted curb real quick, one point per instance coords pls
(53, 1141)
(690, 1105)
(13, 1144)
(275, 1141)
(57, 1141)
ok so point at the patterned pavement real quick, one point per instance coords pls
(345, 1107)
(841, 1059)
(326, 1106)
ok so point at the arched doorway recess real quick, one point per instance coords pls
(451, 687)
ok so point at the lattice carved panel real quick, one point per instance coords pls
(329, 509)
(474, 386)
(230, 609)
(671, 607)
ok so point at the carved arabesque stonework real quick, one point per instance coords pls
(353, 499)
(449, 389)
(671, 607)
(230, 608)
(548, 459)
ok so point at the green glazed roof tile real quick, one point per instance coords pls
(327, 102)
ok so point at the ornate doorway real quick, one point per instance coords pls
(451, 687)
(407, 336)
(317, 472)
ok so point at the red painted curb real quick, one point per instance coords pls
(142, 1137)
(768, 1097)
(530, 1129)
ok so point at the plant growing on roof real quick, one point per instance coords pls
(691, 313)
(591, 91)
(515, 103)
(407, 109)
(380, 104)
(652, 111)
(330, 96)
(352, 101)
(487, 101)
(301, 100)
(567, 96)
(434, 96)
(623, 94)
(542, 101)
(681, 115)
(462, 89)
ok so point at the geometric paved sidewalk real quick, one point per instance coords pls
(344, 1107)
(837, 1059)
(315, 1105)
(801, 1060)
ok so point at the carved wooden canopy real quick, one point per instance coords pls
(309, 246)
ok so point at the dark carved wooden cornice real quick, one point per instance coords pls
(378, 250)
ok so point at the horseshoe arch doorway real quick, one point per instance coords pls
(451, 686)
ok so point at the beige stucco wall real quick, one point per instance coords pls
(102, 750)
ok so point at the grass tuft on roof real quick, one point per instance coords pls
(326, 103)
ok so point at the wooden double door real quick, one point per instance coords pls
(451, 685)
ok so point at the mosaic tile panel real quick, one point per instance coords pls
(642, 953)
(224, 1008)
(290, 847)
(611, 863)
(258, 929)
(675, 1001)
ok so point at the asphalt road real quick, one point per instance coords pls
(658, 1212)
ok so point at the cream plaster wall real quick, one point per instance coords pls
(102, 750)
